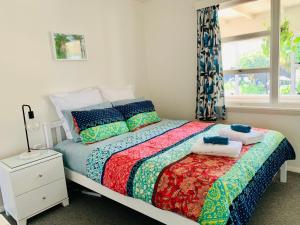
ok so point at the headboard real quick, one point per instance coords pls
(53, 133)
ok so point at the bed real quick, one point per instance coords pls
(153, 171)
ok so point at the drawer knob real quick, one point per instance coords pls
(40, 175)
(44, 198)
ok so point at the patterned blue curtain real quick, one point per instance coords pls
(210, 83)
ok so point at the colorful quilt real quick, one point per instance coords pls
(157, 166)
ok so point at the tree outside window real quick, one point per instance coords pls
(289, 55)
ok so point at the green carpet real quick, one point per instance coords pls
(280, 205)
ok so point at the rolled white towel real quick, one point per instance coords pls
(246, 138)
(233, 149)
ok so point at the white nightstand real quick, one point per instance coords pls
(33, 185)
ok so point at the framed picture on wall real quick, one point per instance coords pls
(69, 46)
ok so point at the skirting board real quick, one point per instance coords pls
(293, 169)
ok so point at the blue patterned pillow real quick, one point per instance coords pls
(69, 118)
(132, 109)
(93, 118)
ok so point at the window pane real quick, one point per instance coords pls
(246, 54)
(298, 80)
(298, 51)
(289, 80)
(245, 18)
(247, 84)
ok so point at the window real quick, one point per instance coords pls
(246, 50)
(246, 67)
(289, 77)
(252, 73)
(246, 53)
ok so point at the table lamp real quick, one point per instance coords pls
(29, 154)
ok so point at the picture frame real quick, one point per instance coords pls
(68, 47)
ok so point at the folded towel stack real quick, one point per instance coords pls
(233, 149)
(246, 138)
(216, 140)
(241, 128)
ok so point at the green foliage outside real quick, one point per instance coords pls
(229, 86)
(288, 45)
(298, 51)
(285, 89)
(261, 59)
(251, 88)
(254, 60)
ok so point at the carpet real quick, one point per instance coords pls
(3, 221)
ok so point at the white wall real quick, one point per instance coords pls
(29, 73)
(114, 41)
(170, 40)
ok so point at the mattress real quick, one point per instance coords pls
(155, 164)
(75, 155)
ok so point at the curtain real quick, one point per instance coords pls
(210, 83)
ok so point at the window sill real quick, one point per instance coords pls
(282, 110)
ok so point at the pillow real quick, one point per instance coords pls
(127, 101)
(69, 118)
(138, 114)
(73, 100)
(102, 132)
(99, 124)
(115, 94)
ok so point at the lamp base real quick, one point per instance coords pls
(30, 155)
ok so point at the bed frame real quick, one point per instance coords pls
(54, 134)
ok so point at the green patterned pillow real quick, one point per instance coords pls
(138, 114)
(141, 120)
(101, 132)
(99, 124)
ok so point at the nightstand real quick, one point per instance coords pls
(30, 186)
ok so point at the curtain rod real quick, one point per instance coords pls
(223, 3)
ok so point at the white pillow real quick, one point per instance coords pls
(74, 100)
(116, 94)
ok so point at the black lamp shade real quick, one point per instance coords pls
(31, 115)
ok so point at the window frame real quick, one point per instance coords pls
(294, 66)
(248, 98)
(274, 98)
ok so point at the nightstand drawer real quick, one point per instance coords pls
(36, 176)
(40, 199)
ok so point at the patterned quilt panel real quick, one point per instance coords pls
(157, 166)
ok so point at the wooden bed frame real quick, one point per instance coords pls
(54, 134)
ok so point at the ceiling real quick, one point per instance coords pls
(252, 8)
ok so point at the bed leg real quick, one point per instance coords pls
(283, 173)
